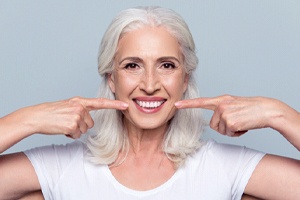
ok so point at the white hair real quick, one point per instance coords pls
(183, 135)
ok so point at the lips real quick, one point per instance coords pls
(149, 104)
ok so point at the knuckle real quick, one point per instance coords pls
(233, 126)
(222, 107)
(229, 133)
(76, 118)
(79, 109)
(213, 126)
(76, 98)
(84, 129)
(72, 127)
(228, 97)
(75, 136)
(91, 124)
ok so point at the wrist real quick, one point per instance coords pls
(20, 122)
(12, 130)
(283, 118)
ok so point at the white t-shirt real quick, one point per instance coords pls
(216, 171)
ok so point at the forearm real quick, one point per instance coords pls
(288, 124)
(13, 128)
(68, 117)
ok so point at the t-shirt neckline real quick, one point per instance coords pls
(140, 193)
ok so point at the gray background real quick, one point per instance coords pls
(48, 52)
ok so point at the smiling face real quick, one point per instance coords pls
(149, 75)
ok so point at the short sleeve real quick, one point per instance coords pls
(238, 163)
(50, 162)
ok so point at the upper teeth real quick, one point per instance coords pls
(149, 104)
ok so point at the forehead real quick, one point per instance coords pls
(148, 41)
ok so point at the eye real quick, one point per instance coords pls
(168, 66)
(131, 66)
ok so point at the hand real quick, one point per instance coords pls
(69, 117)
(234, 116)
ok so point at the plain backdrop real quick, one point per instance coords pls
(48, 52)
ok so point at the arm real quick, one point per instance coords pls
(234, 116)
(287, 122)
(37, 195)
(70, 117)
(275, 177)
(17, 176)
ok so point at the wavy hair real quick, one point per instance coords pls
(183, 135)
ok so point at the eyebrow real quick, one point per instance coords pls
(133, 59)
(168, 58)
(137, 59)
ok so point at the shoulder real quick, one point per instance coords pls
(57, 154)
(224, 166)
(221, 150)
(57, 165)
(226, 157)
(68, 147)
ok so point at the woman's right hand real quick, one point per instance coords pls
(70, 117)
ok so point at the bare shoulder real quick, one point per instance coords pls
(15, 170)
(275, 177)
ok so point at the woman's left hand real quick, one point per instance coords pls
(233, 116)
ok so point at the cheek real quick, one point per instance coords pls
(175, 86)
(124, 86)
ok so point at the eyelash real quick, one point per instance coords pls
(169, 65)
(131, 66)
(165, 65)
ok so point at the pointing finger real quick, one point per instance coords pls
(102, 103)
(204, 102)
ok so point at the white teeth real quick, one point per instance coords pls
(148, 104)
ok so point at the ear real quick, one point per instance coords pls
(111, 82)
(186, 82)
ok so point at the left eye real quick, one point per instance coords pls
(168, 65)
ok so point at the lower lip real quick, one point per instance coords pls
(148, 110)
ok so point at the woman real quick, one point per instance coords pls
(146, 143)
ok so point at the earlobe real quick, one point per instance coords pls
(186, 82)
(111, 82)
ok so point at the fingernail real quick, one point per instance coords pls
(178, 104)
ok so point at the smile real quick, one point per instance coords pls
(149, 104)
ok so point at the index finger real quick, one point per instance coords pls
(204, 102)
(102, 103)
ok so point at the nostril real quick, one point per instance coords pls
(150, 81)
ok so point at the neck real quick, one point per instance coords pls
(147, 141)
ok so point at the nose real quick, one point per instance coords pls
(150, 81)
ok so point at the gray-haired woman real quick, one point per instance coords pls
(146, 143)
